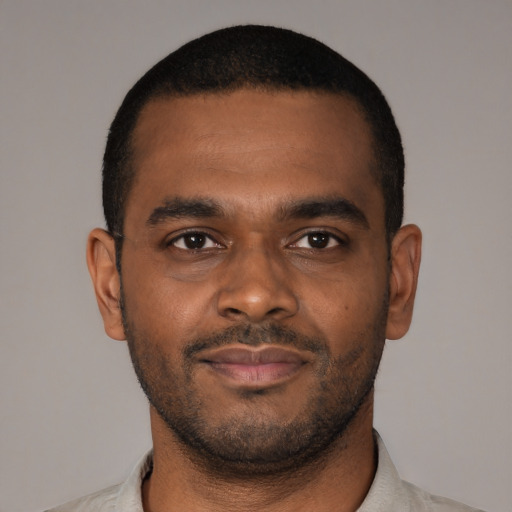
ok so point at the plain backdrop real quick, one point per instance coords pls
(72, 417)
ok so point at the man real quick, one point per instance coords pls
(255, 262)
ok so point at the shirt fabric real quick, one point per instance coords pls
(388, 493)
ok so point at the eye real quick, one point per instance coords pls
(318, 240)
(194, 241)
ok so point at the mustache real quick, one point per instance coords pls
(256, 335)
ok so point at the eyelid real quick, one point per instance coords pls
(170, 240)
(340, 238)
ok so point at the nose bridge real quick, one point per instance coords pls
(256, 285)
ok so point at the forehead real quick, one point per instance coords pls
(251, 144)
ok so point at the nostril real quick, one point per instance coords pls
(255, 298)
(233, 311)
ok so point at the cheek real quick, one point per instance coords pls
(162, 306)
(345, 307)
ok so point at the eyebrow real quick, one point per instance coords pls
(308, 208)
(177, 207)
(336, 207)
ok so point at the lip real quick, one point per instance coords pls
(254, 367)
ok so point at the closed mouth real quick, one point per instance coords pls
(261, 366)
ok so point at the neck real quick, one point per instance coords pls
(179, 482)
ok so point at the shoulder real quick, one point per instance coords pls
(422, 500)
(125, 497)
(389, 492)
(101, 501)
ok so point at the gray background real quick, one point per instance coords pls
(72, 417)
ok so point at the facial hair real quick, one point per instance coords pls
(252, 445)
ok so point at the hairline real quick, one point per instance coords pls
(161, 94)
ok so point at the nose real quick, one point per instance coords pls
(255, 288)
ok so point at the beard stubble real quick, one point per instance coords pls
(252, 445)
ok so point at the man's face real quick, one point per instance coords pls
(255, 271)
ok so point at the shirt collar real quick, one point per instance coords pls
(386, 491)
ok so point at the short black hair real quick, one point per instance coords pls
(258, 57)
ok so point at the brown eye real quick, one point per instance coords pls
(194, 241)
(317, 240)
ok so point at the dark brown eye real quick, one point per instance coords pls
(194, 241)
(319, 240)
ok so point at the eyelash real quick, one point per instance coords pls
(201, 234)
(321, 234)
(328, 239)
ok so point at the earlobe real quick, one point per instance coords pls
(101, 260)
(405, 264)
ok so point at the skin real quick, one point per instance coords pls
(328, 278)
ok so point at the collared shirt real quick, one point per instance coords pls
(388, 493)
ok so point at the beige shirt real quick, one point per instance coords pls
(388, 493)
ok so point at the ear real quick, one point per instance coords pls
(101, 260)
(405, 265)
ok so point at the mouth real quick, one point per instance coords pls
(254, 367)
